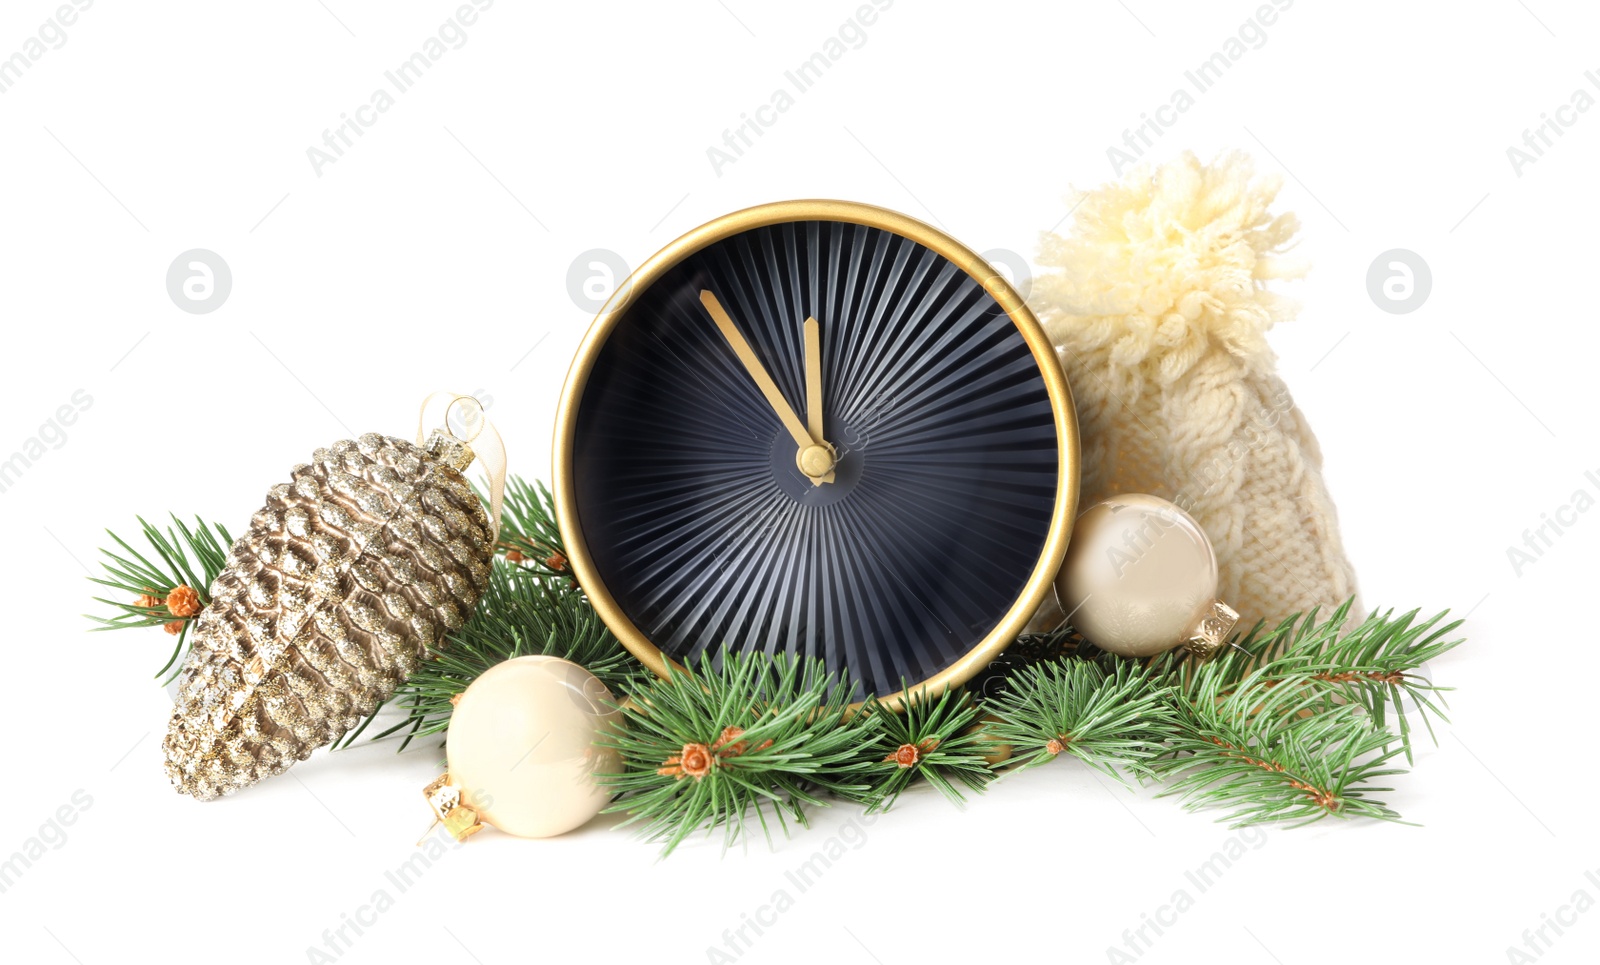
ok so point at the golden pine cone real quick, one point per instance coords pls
(347, 577)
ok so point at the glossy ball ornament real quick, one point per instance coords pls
(522, 746)
(1140, 578)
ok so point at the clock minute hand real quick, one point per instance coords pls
(822, 461)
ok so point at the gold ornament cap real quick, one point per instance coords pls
(1211, 633)
(444, 799)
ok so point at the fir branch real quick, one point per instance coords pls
(934, 740)
(188, 557)
(522, 613)
(1115, 719)
(1290, 723)
(1308, 665)
(753, 737)
(528, 530)
(1301, 771)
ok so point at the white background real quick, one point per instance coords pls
(435, 254)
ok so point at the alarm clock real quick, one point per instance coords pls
(823, 429)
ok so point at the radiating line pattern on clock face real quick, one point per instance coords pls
(709, 537)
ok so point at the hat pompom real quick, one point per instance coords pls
(1169, 262)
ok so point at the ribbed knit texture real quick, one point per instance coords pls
(1159, 312)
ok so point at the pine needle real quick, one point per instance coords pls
(1115, 720)
(1303, 770)
(188, 557)
(755, 737)
(528, 528)
(934, 740)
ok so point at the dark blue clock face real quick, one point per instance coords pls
(942, 487)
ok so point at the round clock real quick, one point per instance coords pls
(817, 428)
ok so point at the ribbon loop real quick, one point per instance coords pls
(465, 421)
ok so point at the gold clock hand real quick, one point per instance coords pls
(814, 458)
(813, 339)
(813, 379)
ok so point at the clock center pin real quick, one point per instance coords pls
(815, 460)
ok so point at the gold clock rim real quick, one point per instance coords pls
(1040, 581)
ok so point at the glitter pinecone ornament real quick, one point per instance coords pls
(348, 575)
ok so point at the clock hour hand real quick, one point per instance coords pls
(813, 340)
(813, 379)
(815, 458)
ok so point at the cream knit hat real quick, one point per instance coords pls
(1159, 313)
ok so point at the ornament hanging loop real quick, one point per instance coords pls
(466, 424)
(472, 419)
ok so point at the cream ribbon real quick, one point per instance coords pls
(490, 453)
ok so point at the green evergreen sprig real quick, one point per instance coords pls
(755, 737)
(1291, 723)
(528, 531)
(1114, 716)
(1309, 665)
(187, 557)
(1297, 769)
(937, 740)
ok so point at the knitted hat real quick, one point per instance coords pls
(1159, 313)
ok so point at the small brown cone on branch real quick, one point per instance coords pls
(183, 601)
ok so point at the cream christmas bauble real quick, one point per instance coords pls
(522, 746)
(1140, 578)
